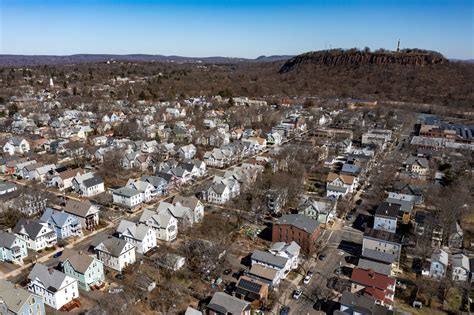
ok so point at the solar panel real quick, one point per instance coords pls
(249, 285)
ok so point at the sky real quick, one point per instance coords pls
(233, 28)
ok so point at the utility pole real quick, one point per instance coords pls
(398, 45)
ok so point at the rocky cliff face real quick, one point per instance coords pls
(354, 57)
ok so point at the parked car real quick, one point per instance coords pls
(58, 254)
(285, 310)
(322, 257)
(308, 277)
(297, 294)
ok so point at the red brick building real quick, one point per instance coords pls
(296, 227)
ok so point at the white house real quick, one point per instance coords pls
(140, 235)
(147, 189)
(187, 151)
(282, 265)
(164, 224)
(193, 203)
(287, 250)
(385, 218)
(127, 197)
(439, 264)
(88, 184)
(56, 288)
(274, 138)
(37, 234)
(16, 145)
(222, 190)
(461, 267)
(340, 185)
(115, 253)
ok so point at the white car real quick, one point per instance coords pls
(297, 294)
(308, 277)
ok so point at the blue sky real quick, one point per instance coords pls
(233, 28)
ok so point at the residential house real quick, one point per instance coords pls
(407, 203)
(141, 236)
(86, 213)
(194, 204)
(12, 248)
(56, 288)
(18, 301)
(250, 289)
(382, 246)
(164, 224)
(127, 197)
(456, 236)
(16, 145)
(222, 190)
(218, 157)
(439, 264)
(378, 137)
(274, 138)
(62, 223)
(287, 250)
(145, 188)
(264, 274)
(149, 146)
(385, 218)
(282, 265)
(360, 304)
(378, 286)
(88, 184)
(417, 166)
(224, 304)
(6, 188)
(340, 185)
(115, 253)
(323, 210)
(160, 184)
(296, 227)
(276, 199)
(376, 266)
(85, 268)
(63, 180)
(187, 151)
(461, 267)
(36, 233)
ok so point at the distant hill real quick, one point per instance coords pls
(33, 60)
(355, 57)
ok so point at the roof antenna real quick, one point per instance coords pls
(398, 46)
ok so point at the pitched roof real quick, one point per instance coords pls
(113, 245)
(223, 303)
(190, 202)
(79, 261)
(7, 240)
(58, 218)
(383, 235)
(80, 208)
(52, 279)
(14, 297)
(346, 179)
(387, 210)
(269, 258)
(370, 278)
(384, 269)
(32, 227)
(300, 221)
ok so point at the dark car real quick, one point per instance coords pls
(322, 257)
(285, 310)
(58, 254)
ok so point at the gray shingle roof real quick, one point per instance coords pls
(300, 221)
(52, 279)
(14, 297)
(269, 258)
(227, 304)
(387, 210)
